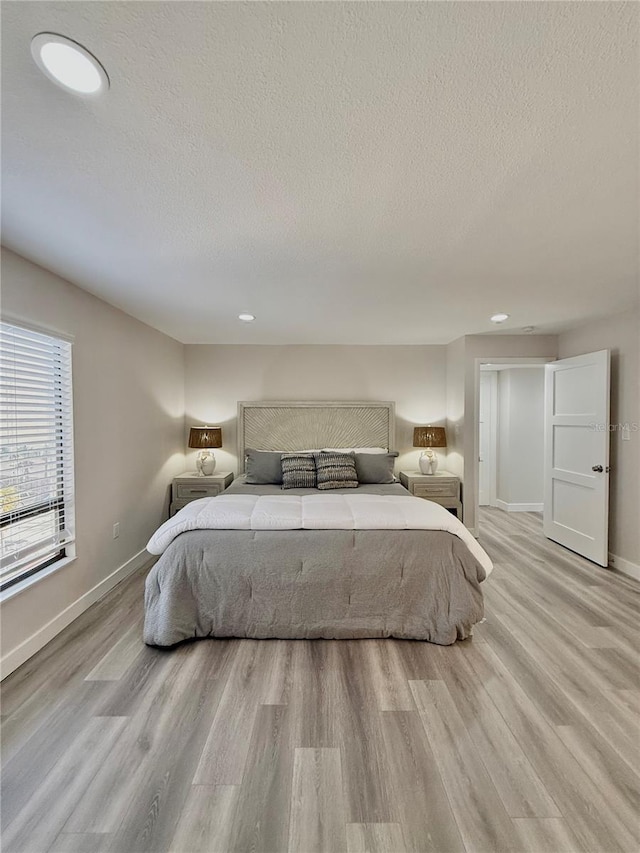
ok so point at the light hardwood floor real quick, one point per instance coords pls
(524, 738)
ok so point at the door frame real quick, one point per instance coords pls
(493, 437)
(475, 497)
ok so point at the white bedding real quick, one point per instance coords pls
(314, 512)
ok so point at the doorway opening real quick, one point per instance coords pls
(510, 434)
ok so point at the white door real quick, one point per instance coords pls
(576, 465)
(487, 442)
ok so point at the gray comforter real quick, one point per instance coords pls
(411, 584)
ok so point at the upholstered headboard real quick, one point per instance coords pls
(268, 425)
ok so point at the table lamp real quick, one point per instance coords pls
(429, 437)
(205, 438)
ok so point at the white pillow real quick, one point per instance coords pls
(355, 449)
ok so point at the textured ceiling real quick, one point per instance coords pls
(348, 172)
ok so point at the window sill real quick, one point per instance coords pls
(27, 583)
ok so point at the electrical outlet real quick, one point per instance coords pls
(626, 433)
(116, 530)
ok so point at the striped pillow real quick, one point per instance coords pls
(298, 471)
(336, 471)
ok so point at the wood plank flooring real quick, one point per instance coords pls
(525, 738)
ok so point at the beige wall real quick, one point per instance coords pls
(217, 377)
(455, 366)
(128, 420)
(621, 335)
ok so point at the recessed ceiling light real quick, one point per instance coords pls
(499, 318)
(246, 318)
(68, 64)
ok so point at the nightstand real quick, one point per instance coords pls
(189, 487)
(442, 488)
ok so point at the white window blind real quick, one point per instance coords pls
(36, 452)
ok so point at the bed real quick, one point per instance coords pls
(363, 562)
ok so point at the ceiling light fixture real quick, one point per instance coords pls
(499, 318)
(246, 318)
(69, 64)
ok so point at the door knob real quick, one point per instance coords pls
(597, 468)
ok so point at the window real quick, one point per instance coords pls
(36, 452)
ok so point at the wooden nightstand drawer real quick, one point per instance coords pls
(437, 489)
(184, 491)
(442, 488)
(189, 487)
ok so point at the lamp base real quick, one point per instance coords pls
(428, 462)
(205, 463)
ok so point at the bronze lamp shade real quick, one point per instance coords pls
(429, 436)
(205, 437)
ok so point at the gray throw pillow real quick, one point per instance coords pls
(375, 467)
(298, 471)
(336, 471)
(263, 467)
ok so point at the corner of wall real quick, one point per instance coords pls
(455, 371)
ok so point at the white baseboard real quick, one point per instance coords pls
(506, 507)
(27, 648)
(624, 566)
